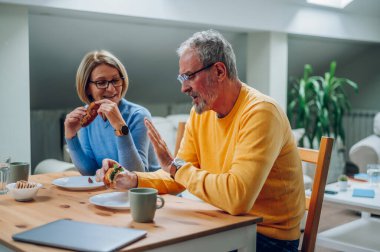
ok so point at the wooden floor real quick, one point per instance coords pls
(333, 215)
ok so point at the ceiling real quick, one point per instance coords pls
(59, 41)
(367, 8)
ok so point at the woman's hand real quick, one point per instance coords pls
(160, 148)
(72, 122)
(123, 181)
(110, 110)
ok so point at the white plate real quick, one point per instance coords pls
(79, 183)
(113, 200)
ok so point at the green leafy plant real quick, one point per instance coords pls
(318, 103)
(342, 178)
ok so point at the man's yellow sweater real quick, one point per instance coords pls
(246, 162)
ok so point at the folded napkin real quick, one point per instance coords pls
(367, 193)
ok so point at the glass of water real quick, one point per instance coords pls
(373, 171)
(4, 173)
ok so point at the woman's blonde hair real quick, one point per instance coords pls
(89, 62)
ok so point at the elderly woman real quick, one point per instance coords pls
(118, 132)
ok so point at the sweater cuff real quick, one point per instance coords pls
(73, 143)
(182, 174)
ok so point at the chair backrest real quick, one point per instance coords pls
(180, 132)
(321, 158)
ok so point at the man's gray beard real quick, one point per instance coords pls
(201, 107)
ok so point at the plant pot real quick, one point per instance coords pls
(343, 185)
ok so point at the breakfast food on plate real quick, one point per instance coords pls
(111, 174)
(21, 184)
(91, 113)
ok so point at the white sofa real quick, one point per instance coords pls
(167, 127)
(367, 150)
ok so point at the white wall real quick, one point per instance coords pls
(14, 83)
(267, 64)
(365, 70)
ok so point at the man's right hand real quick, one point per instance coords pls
(123, 181)
(163, 154)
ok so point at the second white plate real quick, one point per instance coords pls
(79, 183)
(113, 200)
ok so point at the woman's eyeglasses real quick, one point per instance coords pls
(103, 84)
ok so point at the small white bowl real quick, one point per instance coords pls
(23, 194)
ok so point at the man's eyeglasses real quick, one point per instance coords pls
(184, 77)
(103, 84)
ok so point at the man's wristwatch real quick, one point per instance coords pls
(176, 164)
(123, 131)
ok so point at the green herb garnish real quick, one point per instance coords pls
(116, 169)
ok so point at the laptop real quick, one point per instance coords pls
(80, 236)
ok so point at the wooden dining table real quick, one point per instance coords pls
(181, 225)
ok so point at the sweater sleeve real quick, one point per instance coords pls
(133, 148)
(160, 180)
(260, 140)
(81, 154)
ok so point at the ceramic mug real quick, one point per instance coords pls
(143, 203)
(18, 171)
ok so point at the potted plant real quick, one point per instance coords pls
(318, 103)
(343, 182)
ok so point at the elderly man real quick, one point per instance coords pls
(238, 152)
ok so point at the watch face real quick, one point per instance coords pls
(179, 162)
(124, 130)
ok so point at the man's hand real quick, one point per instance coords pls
(160, 147)
(124, 180)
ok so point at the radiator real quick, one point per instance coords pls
(357, 124)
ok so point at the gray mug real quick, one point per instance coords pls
(143, 203)
(18, 171)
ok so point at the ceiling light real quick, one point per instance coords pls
(331, 3)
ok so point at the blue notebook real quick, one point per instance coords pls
(366, 193)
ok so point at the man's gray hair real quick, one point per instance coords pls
(211, 47)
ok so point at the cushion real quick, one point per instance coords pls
(53, 165)
(376, 124)
(166, 130)
(175, 119)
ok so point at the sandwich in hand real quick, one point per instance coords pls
(111, 173)
(91, 113)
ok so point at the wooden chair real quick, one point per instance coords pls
(180, 132)
(321, 158)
